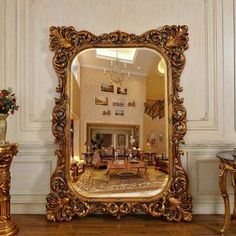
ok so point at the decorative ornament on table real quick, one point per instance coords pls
(7, 106)
(132, 140)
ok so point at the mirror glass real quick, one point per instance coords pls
(119, 123)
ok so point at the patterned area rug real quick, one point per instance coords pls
(96, 181)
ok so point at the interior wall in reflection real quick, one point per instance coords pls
(110, 108)
(98, 101)
(154, 129)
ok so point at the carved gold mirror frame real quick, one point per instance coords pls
(173, 202)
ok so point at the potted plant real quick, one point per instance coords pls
(97, 141)
(7, 106)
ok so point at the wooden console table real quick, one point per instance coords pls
(227, 164)
(7, 226)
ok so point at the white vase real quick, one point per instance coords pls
(3, 128)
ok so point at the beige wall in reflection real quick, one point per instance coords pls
(154, 130)
(75, 114)
(91, 80)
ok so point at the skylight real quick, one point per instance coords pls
(122, 54)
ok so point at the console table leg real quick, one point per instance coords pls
(233, 175)
(222, 183)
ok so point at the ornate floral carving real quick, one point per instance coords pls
(171, 41)
(7, 152)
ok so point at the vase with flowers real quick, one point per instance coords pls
(7, 106)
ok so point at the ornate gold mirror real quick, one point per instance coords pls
(119, 122)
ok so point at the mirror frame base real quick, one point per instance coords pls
(174, 203)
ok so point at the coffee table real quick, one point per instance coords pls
(126, 165)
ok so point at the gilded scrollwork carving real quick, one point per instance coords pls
(174, 203)
(7, 152)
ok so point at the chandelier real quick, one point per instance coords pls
(117, 72)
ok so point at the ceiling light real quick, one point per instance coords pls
(161, 67)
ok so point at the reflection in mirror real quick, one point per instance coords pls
(119, 123)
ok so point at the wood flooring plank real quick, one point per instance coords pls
(138, 225)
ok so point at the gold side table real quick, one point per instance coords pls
(7, 226)
(227, 164)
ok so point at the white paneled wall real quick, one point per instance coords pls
(208, 81)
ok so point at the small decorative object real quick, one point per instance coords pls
(7, 106)
(149, 145)
(152, 138)
(88, 145)
(132, 140)
(161, 139)
(234, 152)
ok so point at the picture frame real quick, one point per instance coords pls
(131, 103)
(121, 90)
(106, 112)
(119, 112)
(101, 101)
(107, 88)
(118, 103)
(121, 140)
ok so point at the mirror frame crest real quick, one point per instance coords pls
(174, 202)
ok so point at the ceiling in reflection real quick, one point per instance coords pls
(143, 63)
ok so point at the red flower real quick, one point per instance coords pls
(4, 92)
(7, 102)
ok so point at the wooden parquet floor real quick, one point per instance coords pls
(104, 225)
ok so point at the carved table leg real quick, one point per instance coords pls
(7, 226)
(233, 175)
(222, 183)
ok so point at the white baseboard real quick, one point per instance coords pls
(29, 208)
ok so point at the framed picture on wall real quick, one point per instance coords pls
(119, 112)
(122, 91)
(101, 101)
(131, 103)
(118, 103)
(108, 88)
(121, 140)
(106, 112)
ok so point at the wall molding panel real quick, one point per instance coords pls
(208, 119)
(31, 170)
(2, 44)
(35, 97)
(202, 166)
(205, 115)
